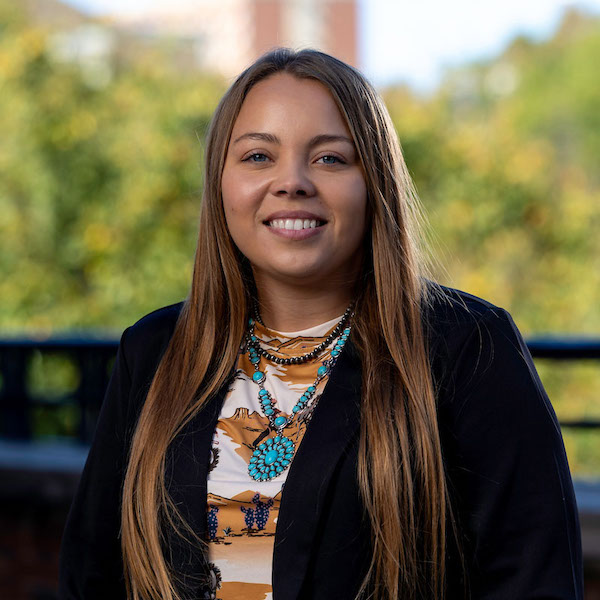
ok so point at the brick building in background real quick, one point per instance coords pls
(329, 25)
(227, 35)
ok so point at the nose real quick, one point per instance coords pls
(293, 180)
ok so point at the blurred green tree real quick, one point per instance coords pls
(101, 180)
(100, 188)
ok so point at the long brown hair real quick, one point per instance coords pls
(400, 470)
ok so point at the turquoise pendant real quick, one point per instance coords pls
(271, 458)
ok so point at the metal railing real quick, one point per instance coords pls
(567, 349)
(93, 358)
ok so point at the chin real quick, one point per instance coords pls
(301, 275)
(307, 275)
(298, 272)
(292, 269)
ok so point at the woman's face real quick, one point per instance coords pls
(294, 194)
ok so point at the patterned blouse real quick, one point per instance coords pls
(242, 513)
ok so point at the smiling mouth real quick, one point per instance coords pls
(295, 224)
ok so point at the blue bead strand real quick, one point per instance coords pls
(274, 455)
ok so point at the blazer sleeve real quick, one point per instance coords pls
(90, 556)
(508, 471)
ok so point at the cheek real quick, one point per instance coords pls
(240, 198)
(355, 211)
(230, 195)
(240, 201)
(235, 201)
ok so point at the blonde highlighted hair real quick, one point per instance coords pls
(399, 436)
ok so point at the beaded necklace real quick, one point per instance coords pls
(274, 455)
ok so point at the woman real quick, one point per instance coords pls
(317, 420)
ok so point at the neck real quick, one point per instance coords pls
(292, 308)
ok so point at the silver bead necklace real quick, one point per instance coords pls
(254, 343)
(274, 455)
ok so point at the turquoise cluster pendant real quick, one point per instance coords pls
(271, 458)
(274, 455)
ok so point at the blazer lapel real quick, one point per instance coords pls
(334, 425)
(186, 474)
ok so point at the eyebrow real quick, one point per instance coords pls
(323, 138)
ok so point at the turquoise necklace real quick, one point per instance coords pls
(274, 455)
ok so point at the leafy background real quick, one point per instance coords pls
(101, 178)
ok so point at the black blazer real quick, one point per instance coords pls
(502, 447)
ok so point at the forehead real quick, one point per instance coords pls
(283, 101)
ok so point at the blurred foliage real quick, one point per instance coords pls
(574, 388)
(100, 184)
(101, 179)
(505, 158)
(51, 375)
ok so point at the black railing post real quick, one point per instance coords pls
(14, 399)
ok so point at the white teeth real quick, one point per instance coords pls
(293, 224)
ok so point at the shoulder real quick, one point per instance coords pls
(464, 329)
(144, 342)
(159, 323)
(451, 312)
(483, 372)
(446, 308)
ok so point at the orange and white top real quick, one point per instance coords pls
(242, 513)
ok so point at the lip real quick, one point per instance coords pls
(294, 214)
(296, 234)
